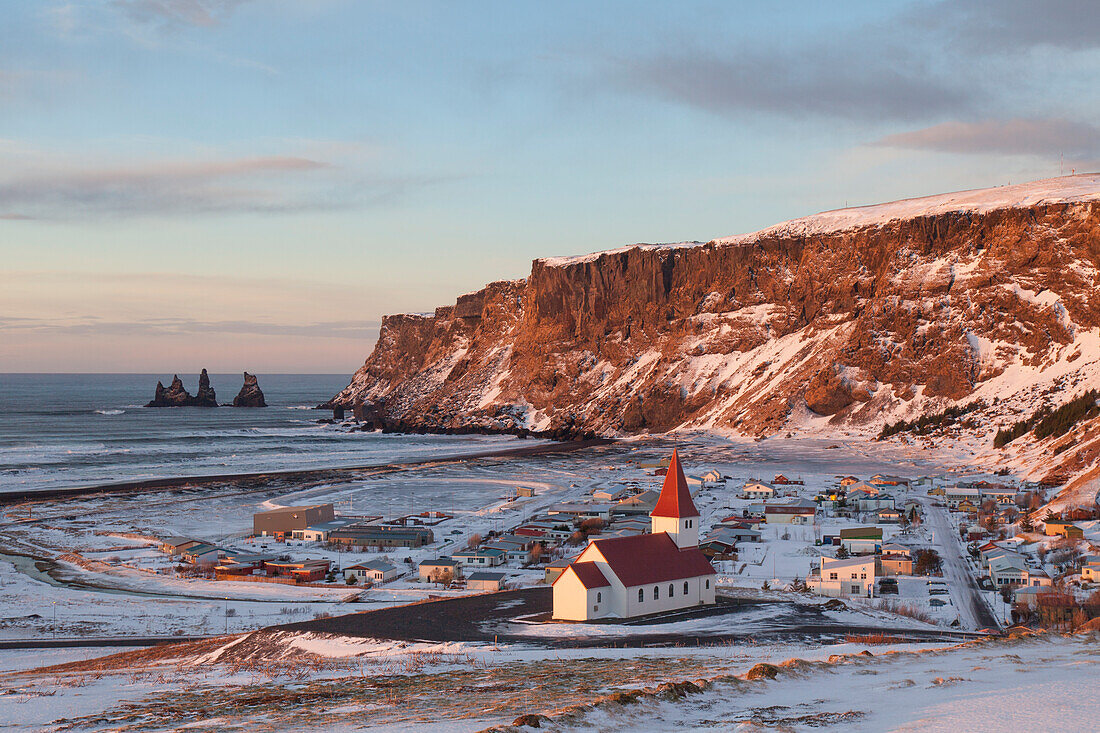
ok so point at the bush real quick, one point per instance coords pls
(927, 562)
(926, 424)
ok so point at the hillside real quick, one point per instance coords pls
(841, 321)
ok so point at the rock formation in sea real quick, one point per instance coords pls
(176, 396)
(250, 395)
(206, 396)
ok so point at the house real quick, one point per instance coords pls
(883, 479)
(526, 491)
(642, 503)
(279, 523)
(873, 503)
(1090, 569)
(481, 556)
(624, 577)
(862, 487)
(556, 568)
(888, 516)
(853, 576)
(861, 540)
(757, 490)
(801, 511)
(201, 554)
(381, 535)
(967, 507)
(175, 545)
(953, 495)
(848, 480)
(894, 563)
(713, 476)
(1062, 528)
(376, 572)
(1008, 569)
(320, 532)
(439, 569)
(582, 511)
(482, 580)
(999, 494)
(301, 571)
(615, 495)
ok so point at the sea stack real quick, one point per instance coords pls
(250, 395)
(206, 396)
(176, 396)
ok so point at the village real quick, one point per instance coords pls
(969, 554)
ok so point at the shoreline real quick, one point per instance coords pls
(312, 474)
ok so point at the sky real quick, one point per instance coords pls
(252, 184)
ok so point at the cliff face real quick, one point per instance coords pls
(805, 325)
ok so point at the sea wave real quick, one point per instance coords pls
(110, 412)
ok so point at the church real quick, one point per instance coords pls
(624, 577)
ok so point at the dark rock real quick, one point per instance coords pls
(250, 395)
(205, 396)
(176, 396)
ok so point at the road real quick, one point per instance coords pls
(89, 642)
(973, 611)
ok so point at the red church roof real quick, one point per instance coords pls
(589, 574)
(651, 558)
(675, 499)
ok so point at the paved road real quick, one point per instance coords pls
(973, 611)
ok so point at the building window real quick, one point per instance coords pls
(599, 597)
(671, 590)
(641, 596)
(832, 576)
(656, 593)
(708, 583)
(685, 587)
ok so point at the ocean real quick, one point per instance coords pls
(71, 430)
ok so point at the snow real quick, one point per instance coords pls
(1064, 189)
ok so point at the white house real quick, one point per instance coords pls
(842, 578)
(757, 490)
(1090, 569)
(376, 572)
(712, 476)
(622, 577)
(799, 511)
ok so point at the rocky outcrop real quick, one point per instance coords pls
(250, 395)
(176, 396)
(205, 396)
(800, 325)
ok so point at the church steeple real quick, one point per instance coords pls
(675, 512)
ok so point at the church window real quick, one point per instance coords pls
(708, 584)
(641, 595)
(671, 590)
(599, 597)
(656, 592)
(685, 587)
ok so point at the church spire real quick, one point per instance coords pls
(675, 499)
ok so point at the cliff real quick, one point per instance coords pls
(839, 321)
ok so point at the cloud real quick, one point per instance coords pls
(269, 184)
(1010, 26)
(175, 13)
(818, 82)
(91, 326)
(1007, 137)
